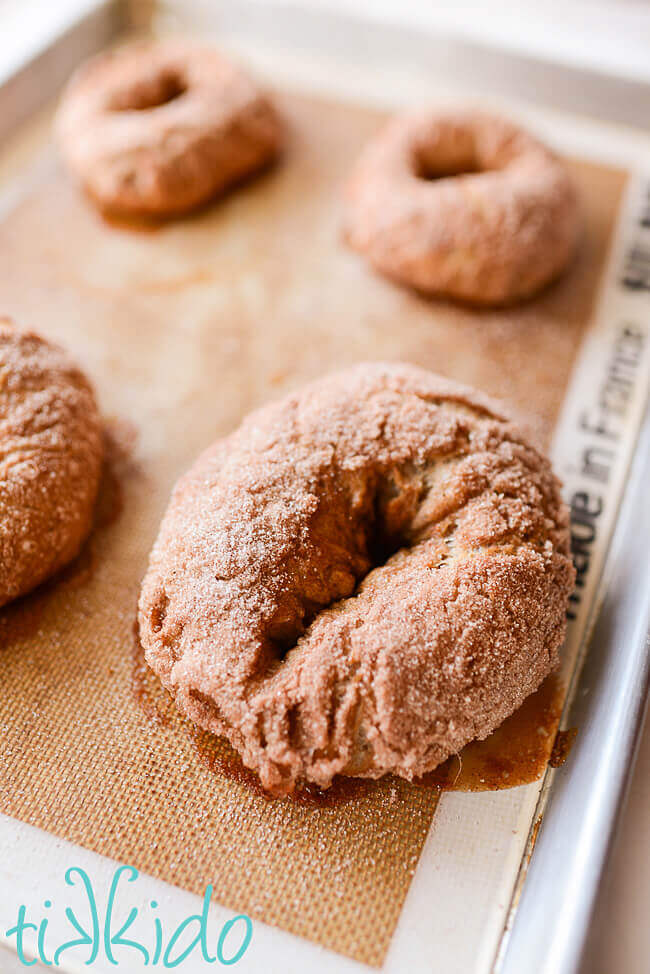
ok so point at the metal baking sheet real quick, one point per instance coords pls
(520, 912)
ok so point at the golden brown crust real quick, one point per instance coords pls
(156, 128)
(50, 460)
(496, 232)
(362, 578)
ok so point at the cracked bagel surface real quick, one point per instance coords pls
(361, 579)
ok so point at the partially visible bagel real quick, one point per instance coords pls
(51, 448)
(156, 128)
(464, 205)
(361, 579)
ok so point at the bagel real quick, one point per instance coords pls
(464, 205)
(361, 579)
(51, 448)
(156, 128)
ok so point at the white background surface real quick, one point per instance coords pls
(604, 35)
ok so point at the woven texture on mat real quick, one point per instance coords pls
(183, 330)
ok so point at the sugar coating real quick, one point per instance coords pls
(496, 232)
(156, 128)
(362, 578)
(51, 449)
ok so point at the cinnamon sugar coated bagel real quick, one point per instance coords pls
(156, 128)
(361, 579)
(462, 204)
(51, 450)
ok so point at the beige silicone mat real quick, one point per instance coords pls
(183, 330)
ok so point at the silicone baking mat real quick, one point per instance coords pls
(183, 330)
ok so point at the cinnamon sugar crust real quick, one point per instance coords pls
(51, 451)
(463, 204)
(156, 128)
(361, 579)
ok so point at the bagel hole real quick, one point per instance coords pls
(430, 174)
(149, 93)
(385, 523)
(382, 545)
(282, 639)
(284, 632)
(433, 166)
(394, 508)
